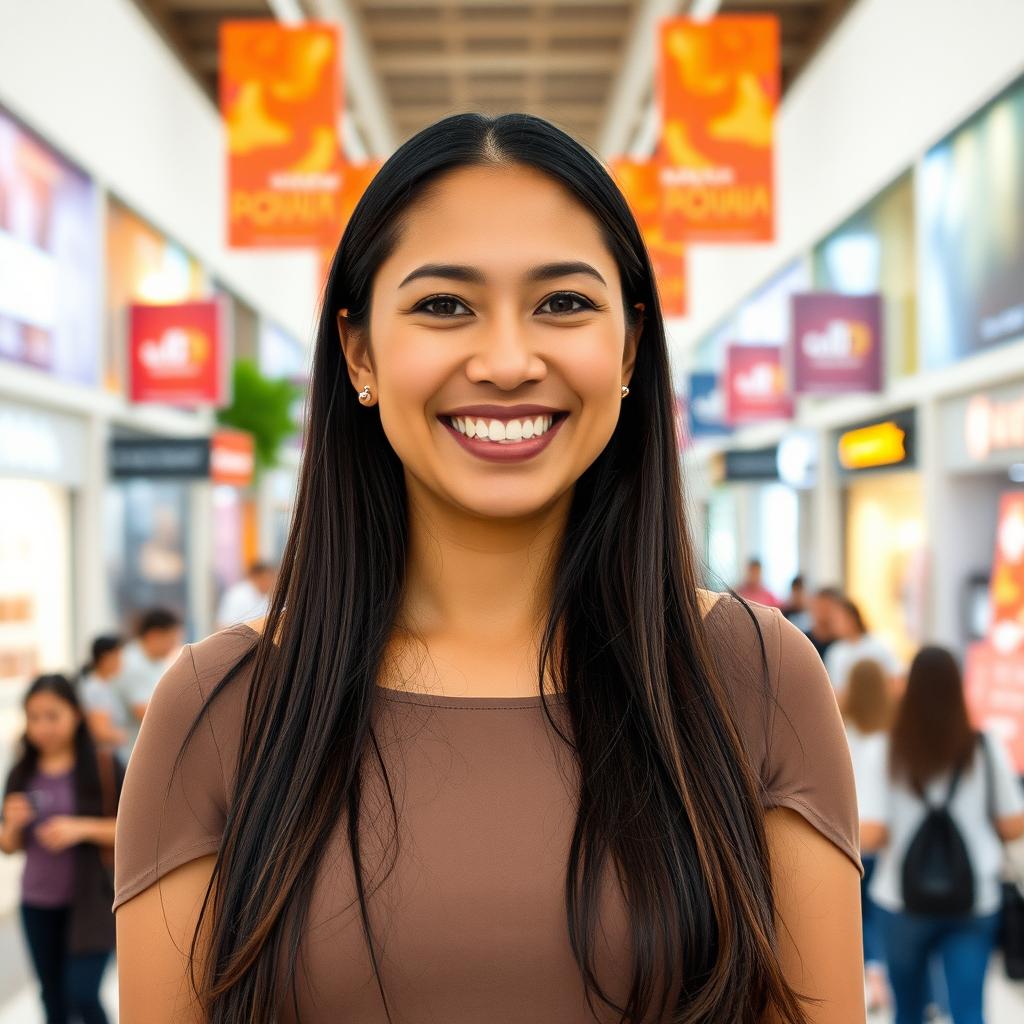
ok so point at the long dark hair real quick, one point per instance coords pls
(933, 732)
(88, 795)
(665, 790)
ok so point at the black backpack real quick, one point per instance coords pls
(938, 878)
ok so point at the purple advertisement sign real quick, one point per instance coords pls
(836, 345)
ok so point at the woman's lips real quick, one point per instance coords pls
(507, 451)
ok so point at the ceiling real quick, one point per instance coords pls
(557, 58)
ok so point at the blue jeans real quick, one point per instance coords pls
(69, 985)
(964, 945)
(874, 950)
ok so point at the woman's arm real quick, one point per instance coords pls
(873, 836)
(98, 830)
(1010, 828)
(817, 902)
(102, 727)
(154, 934)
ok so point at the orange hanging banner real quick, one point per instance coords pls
(638, 181)
(355, 178)
(281, 100)
(718, 89)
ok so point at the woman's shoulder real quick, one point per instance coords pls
(211, 657)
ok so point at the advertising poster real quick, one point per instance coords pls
(718, 89)
(971, 223)
(638, 180)
(755, 385)
(281, 99)
(836, 345)
(177, 354)
(994, 670)
(706, 406)
(50, 260)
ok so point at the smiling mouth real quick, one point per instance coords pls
(503, 432)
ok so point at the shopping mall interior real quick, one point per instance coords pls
(831, 196)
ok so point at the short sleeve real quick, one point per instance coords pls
(1007, 796)
(808, 766)
(97, 696)
(158, 830)
(873, 780)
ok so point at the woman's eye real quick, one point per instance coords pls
(444, 306)
(563, 303)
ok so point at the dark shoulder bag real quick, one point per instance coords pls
(1011, 925)
(937, 875)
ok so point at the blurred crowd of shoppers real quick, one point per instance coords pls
(62, 791)
(60, 808)
(938, 801)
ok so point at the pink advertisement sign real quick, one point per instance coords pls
(836, 343)
(756, 388)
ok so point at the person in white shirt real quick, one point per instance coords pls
(105, 713)
(854, 643)
(249, 598)
(146, 658)
(932, 738)
(867, 708)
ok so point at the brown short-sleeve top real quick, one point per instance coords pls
(471, 919)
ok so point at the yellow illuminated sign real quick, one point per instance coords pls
(881, 444)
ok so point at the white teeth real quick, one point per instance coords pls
(502, 432)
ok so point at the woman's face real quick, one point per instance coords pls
(50, 722)
(497, 341)
(110, 664)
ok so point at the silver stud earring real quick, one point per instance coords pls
(364, 395)
(625, 391)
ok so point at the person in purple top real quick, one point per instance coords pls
(59, 807)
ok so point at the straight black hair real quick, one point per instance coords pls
(666, 793)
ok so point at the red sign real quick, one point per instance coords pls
(177, 354)
(755, 385)
(718, 87)
(836, 343)
(994, 672)
(232, 457)
(281, 99)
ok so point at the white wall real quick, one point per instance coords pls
(94, 78)
(895, 77)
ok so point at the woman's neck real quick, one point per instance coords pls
(478, 577)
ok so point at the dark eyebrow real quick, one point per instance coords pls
(545, 272)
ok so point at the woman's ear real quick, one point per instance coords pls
(633, 333)
(356, 352)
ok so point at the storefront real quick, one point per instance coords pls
(884, 528)
(983, 459)
(174, 510)
(752, 513)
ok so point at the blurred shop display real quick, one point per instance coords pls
(175, 507)
(970, 202)
(49, 259)
(883, 511)
(143, 266)
(995, 665)
(875, 252)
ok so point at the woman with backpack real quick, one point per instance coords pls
(936, 803)
(60, 806)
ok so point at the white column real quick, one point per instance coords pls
(827, 563)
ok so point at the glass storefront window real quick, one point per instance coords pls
(874, 251)
(971, 214)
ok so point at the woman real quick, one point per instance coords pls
(932, 739)
(60, 802)
(483, 760)
(867, 711)
(104, 711)
(852, 642)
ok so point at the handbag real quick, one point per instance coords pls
(1011, 925)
